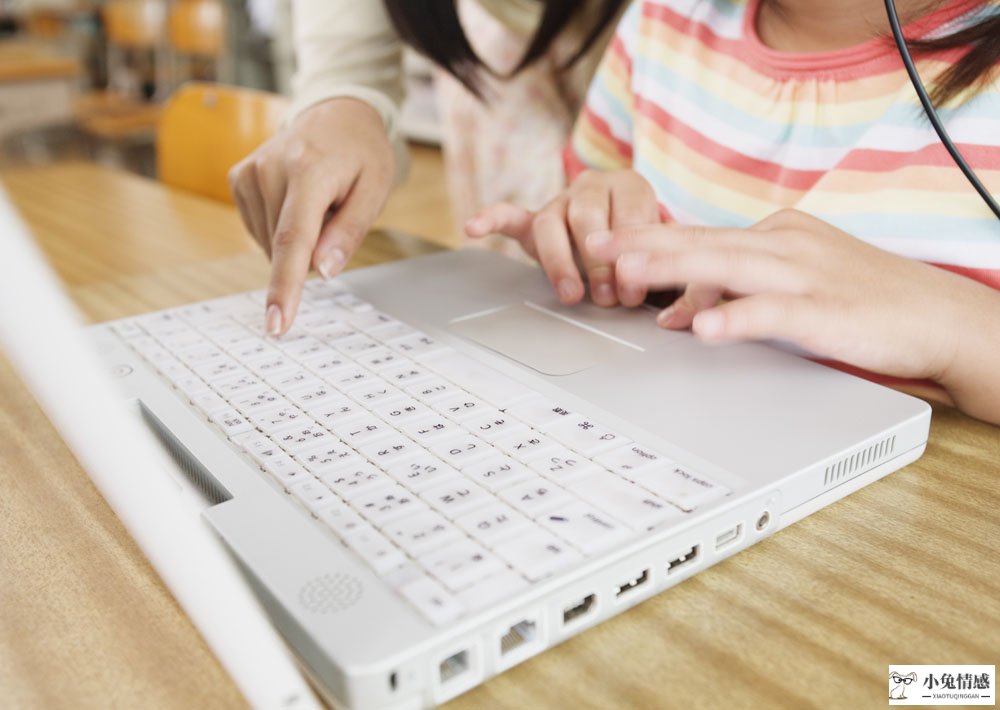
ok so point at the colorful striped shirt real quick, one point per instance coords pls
(728, 130)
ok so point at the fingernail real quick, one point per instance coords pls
(332, 264)
(664, 317)
(596, 240)
(566, 289)
(272, 322)
(603, 293)
(632, 266)
(480, 225)
(709, 324)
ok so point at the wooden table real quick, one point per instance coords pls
(904, 571)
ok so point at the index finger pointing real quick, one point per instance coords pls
(295, 236)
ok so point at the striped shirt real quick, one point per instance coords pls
(728, 131)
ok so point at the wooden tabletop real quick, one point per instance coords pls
(903, 571)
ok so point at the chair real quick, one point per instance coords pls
(122, 112)
(207, 128)
(196, 35)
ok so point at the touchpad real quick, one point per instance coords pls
(541, 339)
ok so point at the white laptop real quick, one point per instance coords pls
(441, 472)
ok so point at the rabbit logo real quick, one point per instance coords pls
(898, 683)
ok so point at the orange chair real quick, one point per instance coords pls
(197, 27)
(207, 128)
(134, 30)
(196, 40)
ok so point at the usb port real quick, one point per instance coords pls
(728, 537)
(633, 583)
(453, 666)
(678, 563)
(577, 610)
(519, 634)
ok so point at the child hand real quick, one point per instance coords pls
(797, 278)
(555, 235)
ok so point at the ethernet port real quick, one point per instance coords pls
(453, 666)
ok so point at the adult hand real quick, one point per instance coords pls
(309, 194)
(797, 278)
(555, 235)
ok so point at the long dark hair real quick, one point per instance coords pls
(433, 28)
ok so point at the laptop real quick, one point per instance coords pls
(440, 471)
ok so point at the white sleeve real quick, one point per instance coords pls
(349, 48)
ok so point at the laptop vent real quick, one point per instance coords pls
(858, 462)
(330, 593)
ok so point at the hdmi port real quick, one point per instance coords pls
(632, 584)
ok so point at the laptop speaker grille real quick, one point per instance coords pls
(330, 593)
(858, 462)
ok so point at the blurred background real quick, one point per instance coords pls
(101, 81)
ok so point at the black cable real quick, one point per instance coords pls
(925, 100)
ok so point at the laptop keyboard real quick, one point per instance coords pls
(456, 484)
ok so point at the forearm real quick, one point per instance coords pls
(972, 377)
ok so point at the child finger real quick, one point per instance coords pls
(757, 318)
(589, 211)
(695, 299)
(555, 253)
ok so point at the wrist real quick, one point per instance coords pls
(971, 374)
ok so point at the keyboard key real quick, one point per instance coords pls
(422, 532)
(399, 411)
(258, 401)
(340, 517)
(353, 345)
(525, 446)
(376, 393)
(421, 472)
(335, 410)
(305, 437)
(416, 344)
(311, 492)
(360, 429)
(430, 429)
(538, 412)
(461, 564)
(477, 378)
(387, 450)
(327, 363)
(327, 456)
(634, 506)
(353, 478)
(456, 496)
(285, 469)
(353, 377)
(488, 592)
(493, 523)
(231, 422)
(384, 504)
(497, 472)
(405, 374)
(585, 436)
(680, 485)
(461, 450)
(537, 554)
(432, 601)
(460, 407)
(494, 424)
(375, 549)
(380, 358)
(431, 389)
(535, 496)
(562, 465)
(277, 420)
(587, 528)
(630, 458)
(312, 394)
